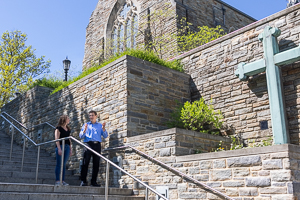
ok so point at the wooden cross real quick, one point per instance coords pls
(270, 63)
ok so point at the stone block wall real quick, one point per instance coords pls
(177, 142)
(256, 173)
(245, 104)
(197, 12)
(153, 91)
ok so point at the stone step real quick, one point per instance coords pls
(18, 174)
(31, 169)
(72, 180)
(38, 188)
(27, 158)
(31, 152)
(43, 164)
(58, 196)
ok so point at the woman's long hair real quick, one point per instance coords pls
(62, 121)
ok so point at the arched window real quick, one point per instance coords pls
(115, 40)
(128, 34)
(135, 29)
(121, 38)
(125, 28)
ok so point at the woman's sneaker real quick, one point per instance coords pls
(64, 183)
(57, 183)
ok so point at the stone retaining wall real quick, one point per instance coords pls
(256, 173)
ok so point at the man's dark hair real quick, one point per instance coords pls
(92, 111)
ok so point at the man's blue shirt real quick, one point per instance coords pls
(93, 132)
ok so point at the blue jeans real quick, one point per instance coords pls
(58, 162)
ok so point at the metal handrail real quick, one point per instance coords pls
(16, 120)
(25, 126)
(87, 147)
(171, 169)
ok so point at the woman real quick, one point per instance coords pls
(62, 130)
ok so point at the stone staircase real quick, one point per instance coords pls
(17, 185)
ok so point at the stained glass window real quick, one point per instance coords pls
(121, 37)
(115, 40)
(125, 28)
(135, 29)
(124, 11)
(128, 34)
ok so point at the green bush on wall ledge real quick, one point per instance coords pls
(197, 116)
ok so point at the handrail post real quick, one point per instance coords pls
(106, 180)
(37, 165)
(146, 196)
(62, 161)
(24, 140)
(11, 143)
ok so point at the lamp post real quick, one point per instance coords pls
(67, 64)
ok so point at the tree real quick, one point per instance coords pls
(18, 65)
(157, 31)
(188, 39)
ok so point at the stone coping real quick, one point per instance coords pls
(239, 31)
(176, 131)
(239, 153)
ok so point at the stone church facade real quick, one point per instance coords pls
(111, 19)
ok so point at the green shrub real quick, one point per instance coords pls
(175, 117)
(197, 116)
(47, 82)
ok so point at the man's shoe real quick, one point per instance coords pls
(95, 184)
(83, 183)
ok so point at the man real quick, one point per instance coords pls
(91, 132)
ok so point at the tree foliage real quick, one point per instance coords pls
(18, 65)
(188, 39)
(160, 37)
(155, 28)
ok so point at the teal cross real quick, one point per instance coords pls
(270, 63)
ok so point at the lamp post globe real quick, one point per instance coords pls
(66, 64)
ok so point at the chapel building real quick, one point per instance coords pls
(115, 19)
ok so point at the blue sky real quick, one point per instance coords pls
(56, 28)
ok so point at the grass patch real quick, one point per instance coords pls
(144, 55)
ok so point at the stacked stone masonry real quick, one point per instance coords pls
(256, 173)
(245, 104)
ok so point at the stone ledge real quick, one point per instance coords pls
(176, 131)
(238, 153)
